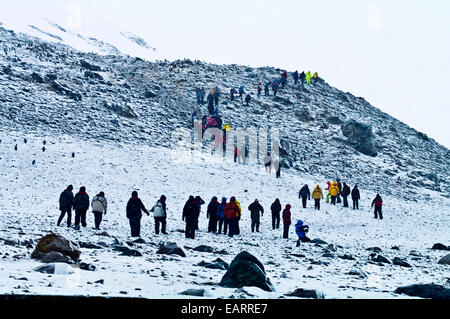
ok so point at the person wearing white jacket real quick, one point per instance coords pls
(160, 215)
(99, 206)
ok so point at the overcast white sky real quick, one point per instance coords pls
(395, 54)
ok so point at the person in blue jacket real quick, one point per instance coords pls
(295, 76)
(221, 216)
(301, 231)
(241, 92)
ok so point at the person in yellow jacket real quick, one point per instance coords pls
(334, 192)
(237, 230)
(308, 77)
(317, 195)
(315, 77)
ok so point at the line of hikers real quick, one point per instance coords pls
(223, 217)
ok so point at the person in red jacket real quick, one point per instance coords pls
(286, 220)
(378, 203)
(259, 89)
(231, 215)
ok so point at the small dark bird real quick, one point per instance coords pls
(25, 140)
(44, 142)
(43, 148)
(34, 162)
(73, 154)
(15, 147)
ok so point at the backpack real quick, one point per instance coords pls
(97, 204)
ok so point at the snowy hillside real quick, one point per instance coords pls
(117, 113)
(29, 210)
(73, 26)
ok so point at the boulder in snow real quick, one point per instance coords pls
(56, 243)
(171, 249)
(306, 293)
(431, 291)
(445, 260)
(440, 246)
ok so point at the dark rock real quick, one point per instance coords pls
(215, 264)
(360, 137)
(379, 259)
(445, 260)
(56, 257)
(395, 248)
(56, 243)
(374, 249)
(328, 255)
(35, 77)
(93, 75)
(10, 242)
(150, 94)
(126, 251)
(246, 270)
(86, 266)
(89, 66)
(88, 245)
(101, 281)
(400, 262)
(171, 249)
(193, 292)
(306, 293)
(357, 272)
(431, 291)
(335, 120)
(51, 268)
(347, 257)
(440, 246)
(319, 241)
(51, 77)
(105, 234)
(139, 241)
(204, 249)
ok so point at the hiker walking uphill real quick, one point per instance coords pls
(99, 207)
(378, 203)
(256, 211)
(355, 197)
(302, 78)
(231, 215)
(317, 195)
(134, 213)
(190, 216)
(215, 92)
(308, 77)
(65, 205)
(315, 78)
(283, 79)
(295, 76)
(304, 194)
(334, 192)
(247, 99)
(275, 88)
(266, 89)
(286, 220)
(345, 193)
(221, 216)
(211, 214)
(160, 215)
(276, 210)
(301, 231)
(241, 92)
(232, 93)
(259, 89)
(81, 205)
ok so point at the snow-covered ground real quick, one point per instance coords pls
(29, 209)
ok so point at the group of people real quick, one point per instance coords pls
(224, 217)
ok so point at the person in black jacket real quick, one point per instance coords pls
(276, 209)
(339, 185)
(211, 213)
(304, 194)
(255, 209)
(65, 205)
(190, 217)
(134, 214)
(345, 192)
(80, 206)
(355, 197)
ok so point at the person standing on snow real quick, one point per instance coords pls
(259, 89)
(334, 191)
(99, 206)
(247, 99)
(339, 185)
(302, 78)
(345, 194)
(197, 203)
(65, 205)
(317, 195)
(189, 216)
(355, 197)
(308, 77)
(266, 89)
(211, 214)
(286, 220)
(134, 213)
(301, 231)
(276, 210)
(304, 194)
(275, 88)
(81, 205)
(256, 212)
(295, 76)
(231, 215)
(378, 203)
(237, 230)
(241, 92)
(232, 93)
(160, 215)
(315, 78)
(221, 216)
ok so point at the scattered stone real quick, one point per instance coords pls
(431, 291)
(374, 249)
(319, 241)
(193, 292)
(328, 255)
(204, 249)
(395, 248)
(440, 246)
(400, 262)
(55, 268)
(126, 251)
(306, 293)
(139, 241)
(56, 243)
(332, 247)
(88, 245)
(379, 259)
(171, 249)
(357, 272)
(56, 257)
(86, 266)
(90, 66)
(105, 234)
(347, 257)
(215, 264)
(445, 260)
(415, 253)
(101, 281)
(246, 270)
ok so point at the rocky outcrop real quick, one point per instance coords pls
(171, 249)
(431, 291)
(360, 137)
(55, 243)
